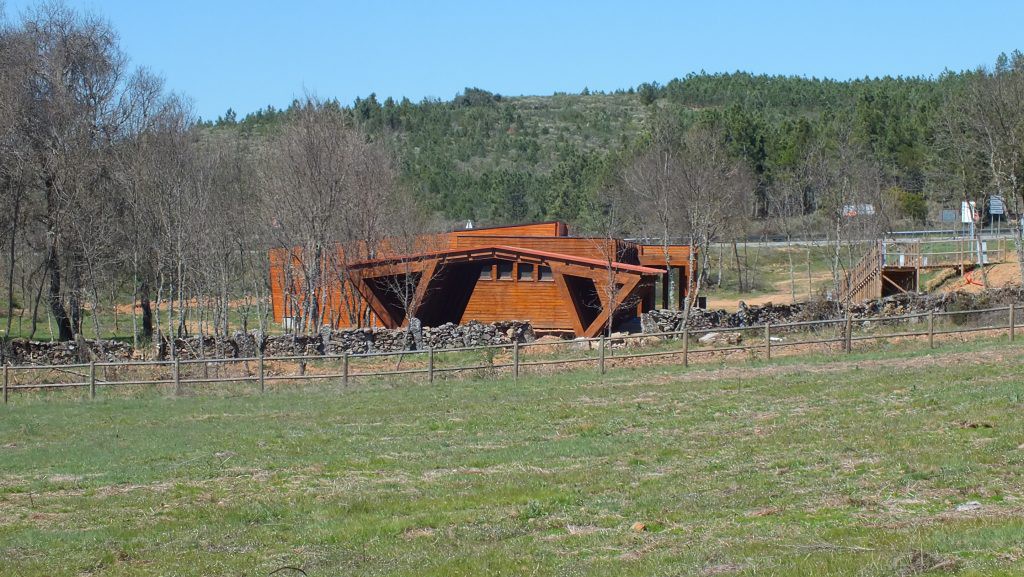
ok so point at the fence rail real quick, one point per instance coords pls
(515, 357)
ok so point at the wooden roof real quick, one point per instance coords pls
(497, 251)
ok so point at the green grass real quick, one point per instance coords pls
(845, 465)
(771, 272)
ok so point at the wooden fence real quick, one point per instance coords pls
(515, 358)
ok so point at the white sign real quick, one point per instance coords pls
(968, 212)
(855, 210)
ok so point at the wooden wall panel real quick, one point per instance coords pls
(341, 301)
(542, 229)
(535, 301)
(654, 255)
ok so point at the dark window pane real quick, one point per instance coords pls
(504, 270)
(525, 271)
(485, 272)
(544, 273)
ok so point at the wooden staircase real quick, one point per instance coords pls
(864, 281)
(884, 270)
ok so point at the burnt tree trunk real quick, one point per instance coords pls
(147, 311)
(60, 314)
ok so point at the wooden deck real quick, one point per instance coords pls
(893, 267)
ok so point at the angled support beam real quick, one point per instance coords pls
(567, 301)
(378, 308)
(629, 284)
(426, 275)
(890, 281)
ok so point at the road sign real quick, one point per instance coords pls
(996, 205)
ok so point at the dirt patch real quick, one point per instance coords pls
(1006, 274)
(780, 293)
(923, 562)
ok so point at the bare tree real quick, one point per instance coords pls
(652, 183)
(325, 186)
(615, 217)
(711, 185)
(983, 123)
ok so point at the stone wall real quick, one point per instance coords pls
(240, 345)
(902, 304)
(664, 321)
(25, 352)
(474, 334)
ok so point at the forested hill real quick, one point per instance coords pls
(507, 159)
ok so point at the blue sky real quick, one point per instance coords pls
(245, 55)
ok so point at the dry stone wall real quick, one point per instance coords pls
(241, 344)
(474, 334)
(661, 320)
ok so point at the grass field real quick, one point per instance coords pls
(867, 464)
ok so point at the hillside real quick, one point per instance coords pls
(512, 159)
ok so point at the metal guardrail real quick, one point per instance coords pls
(766, 343)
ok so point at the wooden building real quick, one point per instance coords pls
(534, 272)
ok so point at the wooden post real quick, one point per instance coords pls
(177, 376)
(344, 369)
(1013, 321)
(6, 377)
(849, 333)
(768, 341)
(686, 347)
(960, 255)
(515, 361)
(259, 366)
(931, 329)
(92, 379)
(601, 362)
(430, 365)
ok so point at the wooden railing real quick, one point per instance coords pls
(512, 358)
(943, 253)
(867, 269)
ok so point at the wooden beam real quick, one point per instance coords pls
(628, 286)
(394, 268)
(893, 283)
(367, 293)
(426, 275)
(567, 300)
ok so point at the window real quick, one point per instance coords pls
(544, 274)
(504, 270)
(525, 272)
(485, 272)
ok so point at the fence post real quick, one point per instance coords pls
(92, 379)
(686, 347)
(259, 365)
(1013, 321)
(6, 369)
(344, 369)
(931, 329)
(601, 361)
(177, 376)
(768, 341)
(515, 361)
(849, 333)
(430, 365)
